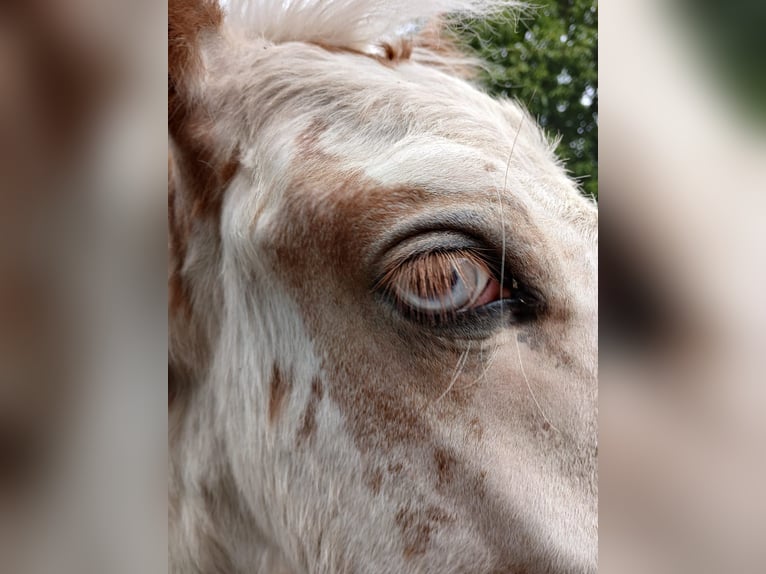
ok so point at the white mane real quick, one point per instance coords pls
(347, 23)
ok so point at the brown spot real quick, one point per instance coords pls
(386, 420)
(480, 484)
(393, 53)
(319, 545)
(417, 526)
(374, 480)
(277, 391)
(309, 423)
(475, 429)
(445, 467)
(229, 170)
(546, 426)
(397, 51)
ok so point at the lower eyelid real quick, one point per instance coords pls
(491, 293)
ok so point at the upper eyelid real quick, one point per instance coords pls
(452, 227)
(425, 244)
(427, 235)
(394, 266)
(473, 323)
(471, 253)
(532, 297)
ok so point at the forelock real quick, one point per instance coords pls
(348, 24)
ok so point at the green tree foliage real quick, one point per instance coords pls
(732, 42)
(547, 60)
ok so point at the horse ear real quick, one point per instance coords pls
(188, 22)
(201, 171)
(197, 175)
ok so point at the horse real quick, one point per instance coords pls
(382, 315)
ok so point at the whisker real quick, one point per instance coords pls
(458, 370)
(529, 387)
(485, 370)
(500, 202)
(502, 268)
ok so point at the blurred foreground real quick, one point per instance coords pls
(82, 287)
(683, 272)
(83, 294)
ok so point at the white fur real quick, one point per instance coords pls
(346, 23)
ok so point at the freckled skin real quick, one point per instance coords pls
(382, 411)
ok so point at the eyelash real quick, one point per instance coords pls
(431, 278)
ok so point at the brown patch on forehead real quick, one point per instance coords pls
(278, 389)
(329, 219)
(309, 423)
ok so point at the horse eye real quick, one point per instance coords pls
(444, 283)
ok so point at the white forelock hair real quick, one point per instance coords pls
(354, 24)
